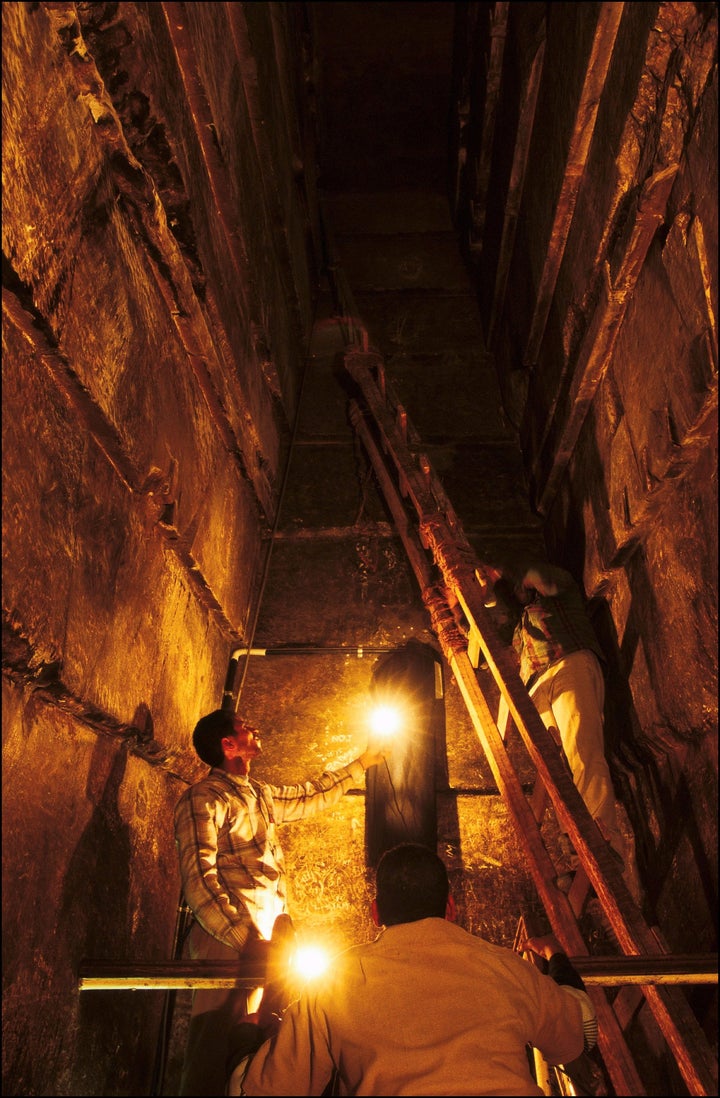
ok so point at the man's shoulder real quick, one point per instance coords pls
(215, 782)
(431, 929)
(212, 775)
(487, 953)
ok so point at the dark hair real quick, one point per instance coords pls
(505, 589)
(209, 734)
(411, 884)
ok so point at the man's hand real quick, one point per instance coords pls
(546, 579)
(373, 756)
(545, 945)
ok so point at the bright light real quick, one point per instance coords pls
(385, 720)
(310, 961)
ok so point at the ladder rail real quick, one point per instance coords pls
(444, 538)
(460, 568)
(610, 1037)
(611, 1041)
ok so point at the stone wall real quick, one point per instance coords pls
(599, 279)
(161, 255)
(158, 288)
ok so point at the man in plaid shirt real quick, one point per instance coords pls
(233, 873)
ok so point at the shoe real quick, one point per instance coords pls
(564, 881)
(629, 874)
(568, 863)
(596, 913)
(567, 850)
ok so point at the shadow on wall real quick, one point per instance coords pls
(655, 792)
(95, 923)
(672, 846)
(662, 778)
(631, 762)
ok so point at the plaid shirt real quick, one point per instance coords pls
(551, 627)
(231, 861)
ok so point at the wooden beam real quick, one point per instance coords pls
(478, 199)
(599, 343)
(516, 186)
(600, 971)
(584, 128)
(660, 969)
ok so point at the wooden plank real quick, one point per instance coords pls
(478, 197)
(596, 74)
(516, 186)
(538, 801)
(600, 971)
(474, 649)
(598, 345)
(503, 718)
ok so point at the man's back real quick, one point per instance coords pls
(425, 1009)
(553, 626)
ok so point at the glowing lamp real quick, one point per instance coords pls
(385, 721)
(310, 961)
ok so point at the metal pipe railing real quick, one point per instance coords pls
(701, 968)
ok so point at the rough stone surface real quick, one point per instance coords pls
(181, 479)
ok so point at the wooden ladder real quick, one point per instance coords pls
(443, 560)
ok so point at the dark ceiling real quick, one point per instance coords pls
(383, 84)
